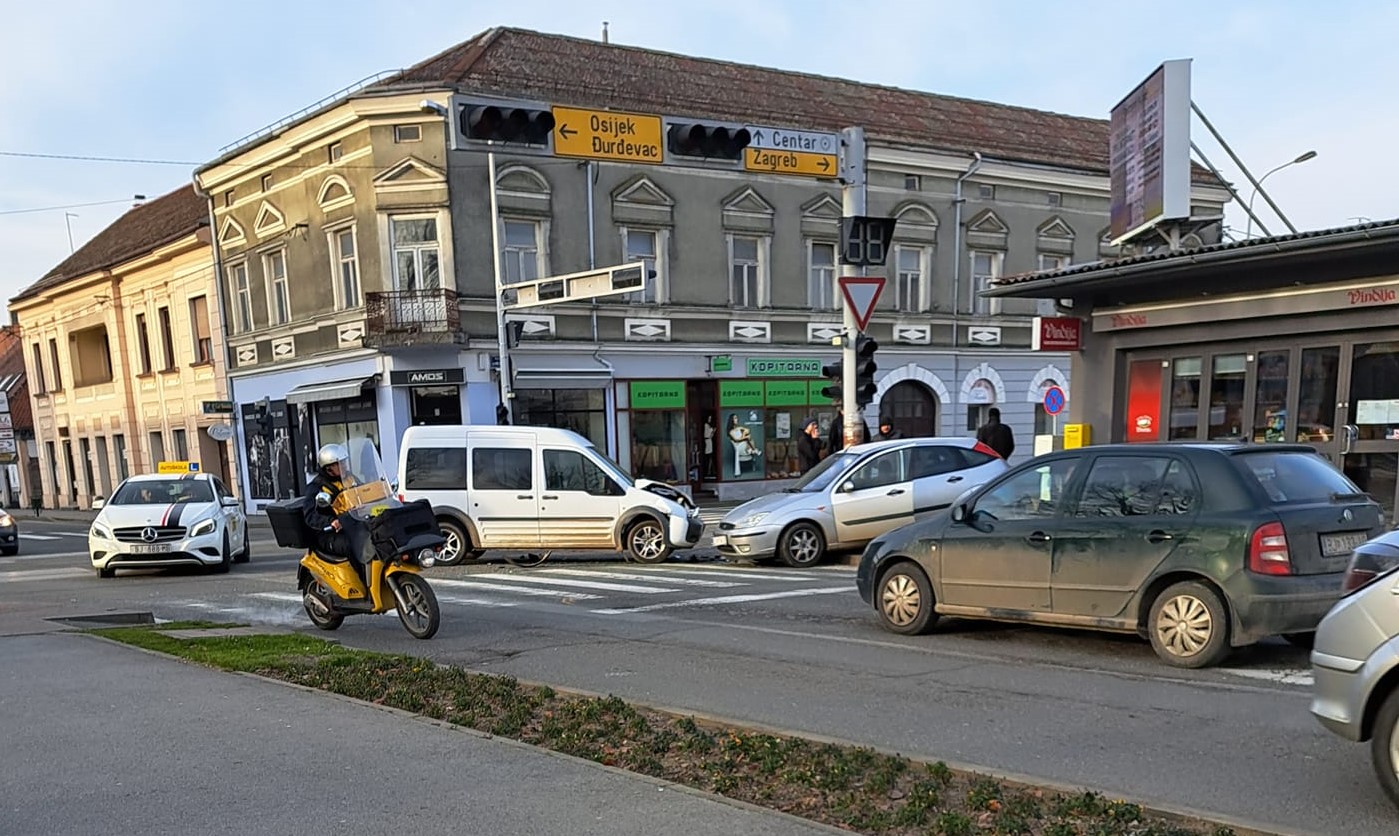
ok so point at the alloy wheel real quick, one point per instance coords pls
(647, 542)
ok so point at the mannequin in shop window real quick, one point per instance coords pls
(744, 448)
(709, 432)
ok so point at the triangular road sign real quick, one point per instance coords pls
(861, 295)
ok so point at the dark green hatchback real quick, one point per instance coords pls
(1198, 547)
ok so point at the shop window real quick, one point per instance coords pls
(581, 410)
(1316, 400)
(1270, 402)
(1374, 385)
(435, 404)
(658, 444)
(435, 469)
(1227, 373)
(780, 429)
(570, 470)
(1185, 398)
(339, 421)
(501, 469)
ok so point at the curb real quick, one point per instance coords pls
(1180, 814)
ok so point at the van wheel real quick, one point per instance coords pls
(646, 542)
(802, 545)
(1189, 626)
(457, 549)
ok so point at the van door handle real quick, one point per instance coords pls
(546, 496)
(955, 479)
(895, 492)
(1039, 537)
(1158, 537)
(525, 496)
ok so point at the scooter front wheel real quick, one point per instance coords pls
(316, 592)
(417, 606)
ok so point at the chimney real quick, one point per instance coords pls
(604, 32)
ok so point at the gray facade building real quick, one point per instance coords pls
(355, 246)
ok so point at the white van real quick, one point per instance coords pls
(538, 489)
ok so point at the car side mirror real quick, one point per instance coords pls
(98, 503)
(960, 513)
(848, 487)
(228, 501)
(323, 500)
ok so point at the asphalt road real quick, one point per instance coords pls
(798, 650)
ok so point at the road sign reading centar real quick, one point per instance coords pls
(607, 135)
(782, 151)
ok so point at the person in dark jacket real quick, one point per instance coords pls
(331, 538)
(886, 429)
(809, 445)
(835, 441)
(996, 435)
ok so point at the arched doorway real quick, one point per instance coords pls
(912, 407)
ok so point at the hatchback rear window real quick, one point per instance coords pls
(1297, 477)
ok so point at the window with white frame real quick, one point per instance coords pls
(242, 296)
(416, 253)
(520, 246)
(821, 275)
(745, 271)
(908, 277)
(986, 268)
(274, 267)
(345, 264)
(643, 245)
(1050, 261)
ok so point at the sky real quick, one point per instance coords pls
(171, 80)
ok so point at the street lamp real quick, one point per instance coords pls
(1301, 158)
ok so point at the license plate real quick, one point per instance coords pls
(154, 548)
(1334, 545)
(721, 540)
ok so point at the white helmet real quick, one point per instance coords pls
(332, 454)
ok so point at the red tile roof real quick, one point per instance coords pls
(574, 71)
(136, 233)
(12, 379)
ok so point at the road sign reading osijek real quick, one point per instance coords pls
(607, 135)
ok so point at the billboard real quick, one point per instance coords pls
(1149, 152)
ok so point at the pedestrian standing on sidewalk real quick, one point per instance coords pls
(996, 435)
(809, 445)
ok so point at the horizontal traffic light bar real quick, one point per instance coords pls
(589, 284)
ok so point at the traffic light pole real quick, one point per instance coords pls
(507, 396)
(852, 171)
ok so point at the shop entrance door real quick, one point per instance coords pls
(702, 428)
(1370, 438)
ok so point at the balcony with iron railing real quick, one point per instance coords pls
(408, 318)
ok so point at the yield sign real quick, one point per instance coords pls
(861, 294)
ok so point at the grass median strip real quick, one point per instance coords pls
(849, 787)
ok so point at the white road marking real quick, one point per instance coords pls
(516, 590)
(727, 599)
(18, 557)
(292, 597)
(1283, 677)
(636, 576)
(43, 574)
(609, 587)
(39, 537)
(757, 574)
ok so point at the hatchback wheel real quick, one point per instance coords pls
(1189, 626)
(1384, 745)
(802, 545)
(904, 600)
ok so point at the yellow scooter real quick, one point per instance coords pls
(394, 543)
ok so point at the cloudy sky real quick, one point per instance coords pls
(175, 81)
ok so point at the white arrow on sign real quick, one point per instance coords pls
(781, 139)
(861, 295)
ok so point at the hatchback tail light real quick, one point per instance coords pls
(982, 448)
(1267, 551)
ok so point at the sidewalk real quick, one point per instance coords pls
(117, 740)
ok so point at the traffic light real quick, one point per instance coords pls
(865, 347)
(502, 415)
(833, 372)
(499, 123)
(262, 421)
(864, 240)
(695, 139)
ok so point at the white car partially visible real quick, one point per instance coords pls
(158, 520)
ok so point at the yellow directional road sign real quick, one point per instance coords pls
(802, 163)
(607, 135)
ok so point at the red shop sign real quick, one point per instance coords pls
(1057, 333)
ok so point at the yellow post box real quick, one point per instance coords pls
(1077, 435)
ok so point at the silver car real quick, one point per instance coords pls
(856, 495)
(1355, 658)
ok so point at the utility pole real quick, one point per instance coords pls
(507, 396)
(852, 199)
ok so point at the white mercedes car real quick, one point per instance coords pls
(159, 520)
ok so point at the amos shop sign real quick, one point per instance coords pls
(426, 377)
(1056, 333)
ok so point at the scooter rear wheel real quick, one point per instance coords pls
(422, 616)
(327, 621)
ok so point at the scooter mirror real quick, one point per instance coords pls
(323, 500)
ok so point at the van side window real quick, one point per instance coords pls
(501, 469)
(435, 469)
(569, 470)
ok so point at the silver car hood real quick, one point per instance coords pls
(774, 502)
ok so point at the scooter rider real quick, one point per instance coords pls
(331, 538)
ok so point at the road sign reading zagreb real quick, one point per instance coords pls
(608, 135)
(861, 295)
(802, 153)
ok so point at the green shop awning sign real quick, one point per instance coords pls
(657, 394)
(784, 367)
